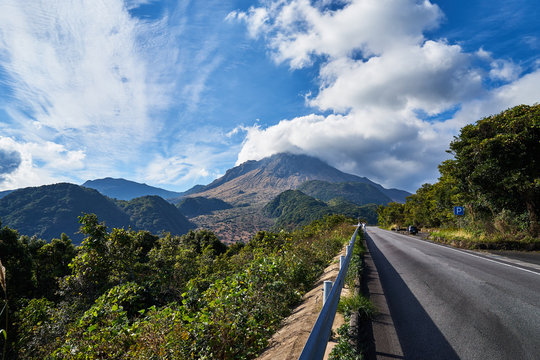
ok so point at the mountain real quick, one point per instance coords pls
(123, 189)
(293, 208)
(156, 215)
(262, 180)
(367, 212)
(5, 192)
(195, 206)
(50, 210)
(251, 185)
(355, 192)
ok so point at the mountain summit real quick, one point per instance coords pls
(262, 180)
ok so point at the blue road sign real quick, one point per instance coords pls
(459, 210)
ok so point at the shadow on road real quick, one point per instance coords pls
(418, 335)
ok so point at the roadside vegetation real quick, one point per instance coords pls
(495, 175)
(123, 294)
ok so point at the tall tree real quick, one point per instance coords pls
(496, 162)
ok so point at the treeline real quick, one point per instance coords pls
(132, 295)
(495, 175)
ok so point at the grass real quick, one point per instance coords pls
(462, 238)
(356, 303)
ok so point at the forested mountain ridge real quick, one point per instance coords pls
(123, 189)
(355, 192)
(154, 214)
(50, 210)
(5, 192)
(292, 208)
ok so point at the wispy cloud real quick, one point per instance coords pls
(196, 159)
(87, 77)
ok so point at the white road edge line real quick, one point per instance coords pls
(468, 253)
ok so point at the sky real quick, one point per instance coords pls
(174, 93)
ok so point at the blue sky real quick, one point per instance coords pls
(173, 93)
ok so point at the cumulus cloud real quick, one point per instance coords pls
(33, 163)
(388, 86)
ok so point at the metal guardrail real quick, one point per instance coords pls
(318, 339)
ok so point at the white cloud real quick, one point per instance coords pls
(55, 159)
(85, 77)
(199, 156)
(383, 80)
(432, 76)
(504, 70)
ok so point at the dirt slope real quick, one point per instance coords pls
(289, 341)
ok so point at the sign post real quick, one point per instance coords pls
(459, 211)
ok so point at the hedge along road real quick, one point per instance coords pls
(452, 304)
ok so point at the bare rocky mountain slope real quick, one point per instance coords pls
(260, 181)
(251, 185)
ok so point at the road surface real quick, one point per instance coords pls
(448, 303)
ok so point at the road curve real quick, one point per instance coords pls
(452, 304)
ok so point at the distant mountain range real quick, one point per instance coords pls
(123, 189)
(50, 210)
(253, 184)
(233, 206)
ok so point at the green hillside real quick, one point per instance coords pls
(294, 208)
(156, 215)
(48, 211)
(366, 212)
(355, 192)
(195, 206)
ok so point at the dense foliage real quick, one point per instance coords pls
(47, 211)
(495, 174)
(133, 295)
(198, 205)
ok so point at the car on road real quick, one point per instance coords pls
(413, 230)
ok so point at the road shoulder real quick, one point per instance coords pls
(385, 340)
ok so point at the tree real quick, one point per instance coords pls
(496, 162)
(391, 214)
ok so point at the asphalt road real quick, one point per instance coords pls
(452, 304)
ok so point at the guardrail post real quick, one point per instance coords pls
(327, 287)
(341, 261)
(318, 338)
